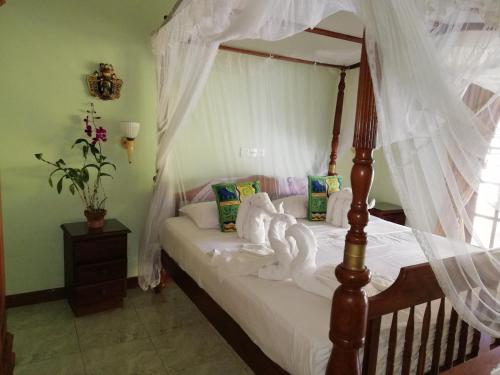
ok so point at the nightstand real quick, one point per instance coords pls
(389, 212)
(95, 266)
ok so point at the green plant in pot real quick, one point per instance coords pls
(85, 181)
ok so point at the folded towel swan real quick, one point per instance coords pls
(280, 269)
(254, 216)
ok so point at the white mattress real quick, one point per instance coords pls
(289, 325)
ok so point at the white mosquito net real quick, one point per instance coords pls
(435, 68)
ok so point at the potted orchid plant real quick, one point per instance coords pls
(85, 181)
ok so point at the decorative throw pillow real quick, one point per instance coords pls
(228, 197)
(320, 187)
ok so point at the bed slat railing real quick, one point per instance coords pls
(416, 288)
(423, 339)
(462, 343)
(372, 339)
(438, 337)
(391, 351)
(408, 345)
(450, 345)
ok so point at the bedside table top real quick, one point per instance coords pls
(387, 207)
(80, 229)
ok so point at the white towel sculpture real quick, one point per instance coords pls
(280, 269)
(338, 207)
(303, 267)
(254, 215)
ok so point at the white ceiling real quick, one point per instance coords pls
(315, 47)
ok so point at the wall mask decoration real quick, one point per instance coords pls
(104, 83)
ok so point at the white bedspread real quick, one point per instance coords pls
(287, 323)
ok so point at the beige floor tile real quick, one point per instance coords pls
(218, 367)
(49, 339)
(137, 357)
(188, 346)
(45, 342)
(171, 294)
(162, 318)
(64, 365)
(110, 327)
(43, 314)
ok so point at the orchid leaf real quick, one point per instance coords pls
(108, 163)
(92, 166)
(59, 185)
(80, 140)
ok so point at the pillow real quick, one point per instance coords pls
(204, 214)
(320, 187)
(228, 197)
(296, 205)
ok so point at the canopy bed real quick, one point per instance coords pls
(420, 330)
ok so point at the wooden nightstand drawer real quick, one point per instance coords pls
(95, 266)
(92, 294)
(94, 273)
(101, 250)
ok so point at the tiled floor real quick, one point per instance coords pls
(153, 334)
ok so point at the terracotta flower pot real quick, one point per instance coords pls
(95, 218)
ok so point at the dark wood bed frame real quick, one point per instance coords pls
(356, 319)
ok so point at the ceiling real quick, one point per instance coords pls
(315, 47)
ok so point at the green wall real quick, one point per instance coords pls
(46, 50)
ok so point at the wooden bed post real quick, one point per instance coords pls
(350, 304)
(332, 168)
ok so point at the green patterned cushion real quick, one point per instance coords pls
(320, 188)
(228, 197)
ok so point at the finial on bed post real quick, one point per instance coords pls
(350, 304)
(332, 168)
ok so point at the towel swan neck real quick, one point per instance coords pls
(280, 269)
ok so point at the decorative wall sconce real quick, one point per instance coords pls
(130, 130)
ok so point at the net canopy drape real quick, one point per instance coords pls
(185, 50)
(438, 136)
(264, 105)
(424, 57)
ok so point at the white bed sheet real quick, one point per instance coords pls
(289, 325)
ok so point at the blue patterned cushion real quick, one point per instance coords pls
(228, 197)
(320, 188)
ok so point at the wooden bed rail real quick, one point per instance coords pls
(414, 285)
(417, 285)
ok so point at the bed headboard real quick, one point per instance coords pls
(276, 187)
